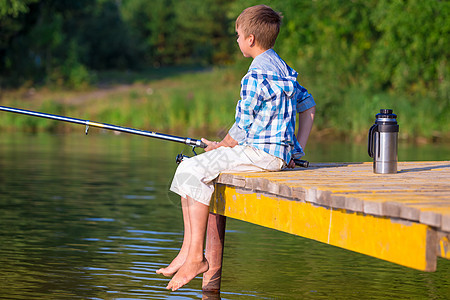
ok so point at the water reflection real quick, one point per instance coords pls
(91, 218)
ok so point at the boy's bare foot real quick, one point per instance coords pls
(174, 266)
(186, 273)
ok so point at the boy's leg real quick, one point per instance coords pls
(194, 177)
(179, 260)
(195, 263)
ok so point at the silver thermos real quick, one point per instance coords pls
(382, 143)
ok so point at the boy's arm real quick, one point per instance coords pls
(306, 119)
(244, 115)
(306, 108)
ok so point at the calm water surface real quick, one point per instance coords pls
(92, 218)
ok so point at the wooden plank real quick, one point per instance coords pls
(407, 243)
(445, 222)
(354, 186)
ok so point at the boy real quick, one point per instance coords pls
(261, 139)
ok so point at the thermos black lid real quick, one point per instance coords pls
(386, 113)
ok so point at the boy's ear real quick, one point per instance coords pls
(251, 40)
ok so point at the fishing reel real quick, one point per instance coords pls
(180, 157)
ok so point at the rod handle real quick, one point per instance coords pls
(301, 163)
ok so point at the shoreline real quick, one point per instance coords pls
(183, 104)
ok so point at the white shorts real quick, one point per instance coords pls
(194, 176)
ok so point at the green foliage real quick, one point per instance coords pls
(14, 7)
(353, 56)
(61, 42)
(107, 41)
(180, 32)
(412, 51)
(381, 45)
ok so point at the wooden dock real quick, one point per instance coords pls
(403, 218)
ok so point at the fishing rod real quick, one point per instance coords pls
(87, 123)
(188, 141)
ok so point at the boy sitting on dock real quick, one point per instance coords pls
(261, 139)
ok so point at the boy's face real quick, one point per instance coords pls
(245, 43)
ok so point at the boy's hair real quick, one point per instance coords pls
(261, 21)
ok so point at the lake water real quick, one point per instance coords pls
(91, 218)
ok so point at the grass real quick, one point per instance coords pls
(202, 102)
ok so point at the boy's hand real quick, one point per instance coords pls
(211, 145)
(228, 141)
(291, 164)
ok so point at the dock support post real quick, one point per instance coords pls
(215, 238)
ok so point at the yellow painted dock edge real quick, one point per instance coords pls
(402, 242)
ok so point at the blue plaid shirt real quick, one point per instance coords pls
(270, 99)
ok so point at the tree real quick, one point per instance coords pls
(14, 7)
